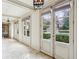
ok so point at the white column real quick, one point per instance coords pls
(11, 26)
(20, 29)
(35, 41)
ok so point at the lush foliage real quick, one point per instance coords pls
(64, 31)
(46, 36)
(62, 38)
(66, 24)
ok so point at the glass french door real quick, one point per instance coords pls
(63, 17)
(46, 34)
(57, 32)
(62, 32)
(26, 31)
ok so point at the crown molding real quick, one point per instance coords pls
(10, 16)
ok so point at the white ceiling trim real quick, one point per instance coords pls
(21, 4)
(10, 16)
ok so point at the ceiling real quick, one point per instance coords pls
(11, 9)
(20, 7)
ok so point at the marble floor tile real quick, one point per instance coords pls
(11, 49)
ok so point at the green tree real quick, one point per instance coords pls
(66, 24)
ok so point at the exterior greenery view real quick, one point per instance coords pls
(61, 37)
(62, 29)
(46, 35)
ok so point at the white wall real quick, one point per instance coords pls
(35, 41)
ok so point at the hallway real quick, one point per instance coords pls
(47, 29)
(14, 50)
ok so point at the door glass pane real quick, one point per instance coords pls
(46, 26)
(62, 25)
(28, 27)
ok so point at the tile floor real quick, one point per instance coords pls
(15, 50)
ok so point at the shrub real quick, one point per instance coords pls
(46, 35)
(64, 31)
(62, 38)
